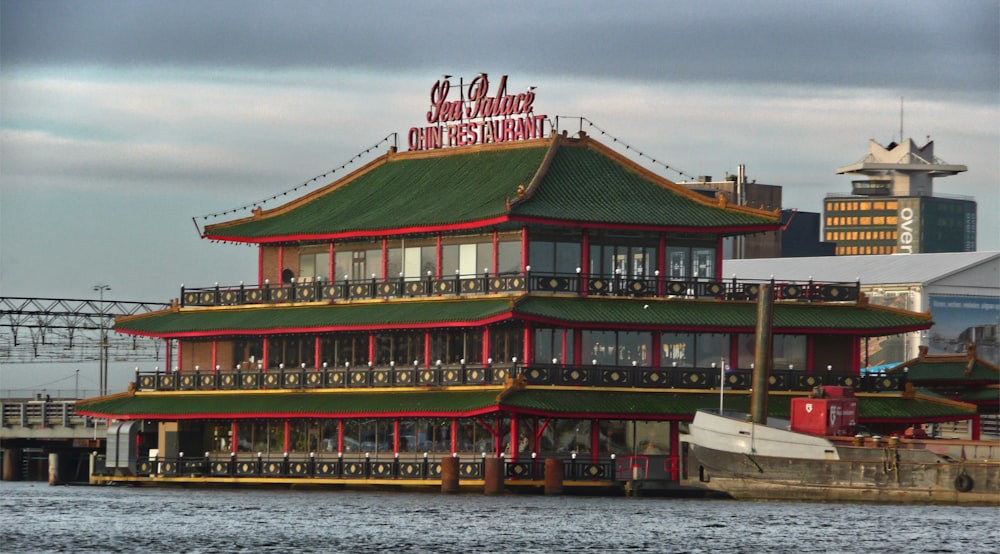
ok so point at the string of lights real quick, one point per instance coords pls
(627, 146)
(322, 177)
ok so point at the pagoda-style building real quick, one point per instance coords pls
(522, 299)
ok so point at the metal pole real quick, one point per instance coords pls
(103, 356)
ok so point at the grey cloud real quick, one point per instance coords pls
(918, 44)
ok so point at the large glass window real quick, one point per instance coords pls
(403, 348)
(710, 348)
(344, 348)
(314, 263)
(678, 262)
(677, 349)
(553, 344)
(509, 256)
(506, 343)
(789, 352)
(600, 347)
(453, 345)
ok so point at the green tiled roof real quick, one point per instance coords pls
(584, 184)
(473, 186)
(719, 314)
(949, 369)
(405, 192)
(572, 311)
(289, 404)
(463, 403)
(381, 315)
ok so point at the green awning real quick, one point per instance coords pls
(591, 312)
(574, 404)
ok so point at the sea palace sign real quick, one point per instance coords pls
(475, 117)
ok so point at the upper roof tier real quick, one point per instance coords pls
(557, 180)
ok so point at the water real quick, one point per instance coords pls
(39, 518)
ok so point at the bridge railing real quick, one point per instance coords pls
(42, 413)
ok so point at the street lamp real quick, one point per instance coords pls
(103, 359)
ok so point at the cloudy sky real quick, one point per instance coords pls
(123, 120)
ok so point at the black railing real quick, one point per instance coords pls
(249, 465)
(654, 286)
(533, 374)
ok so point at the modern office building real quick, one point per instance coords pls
(892, 209)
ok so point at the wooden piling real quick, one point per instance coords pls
(553, 476)
(493, 475)
(449, 474)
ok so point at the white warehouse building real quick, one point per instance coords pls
(961, 290)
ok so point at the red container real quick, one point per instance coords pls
(825, 416)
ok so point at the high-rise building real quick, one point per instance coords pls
(893, 210)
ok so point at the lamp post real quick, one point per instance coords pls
(103, 357)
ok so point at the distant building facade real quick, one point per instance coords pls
(893, 210)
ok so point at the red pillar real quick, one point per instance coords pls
(317, 351)
(235, 438)
(286, 437)
(527, 343)
(427, 349)
(718, 260)
(564, 352)
(371, 348)
(578, 347)
(584, 262)
(264, 352)
(215, 356)
(496, 249)
(486, 344)
(385, 259)
(395, 436)
(340, 436)
(524, 249)
(977, 428)
(330, 276)
(260, 265)
(454, 435)
(168, 357)
(675, 450)
(437, 255)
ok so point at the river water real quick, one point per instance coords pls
(37, 517)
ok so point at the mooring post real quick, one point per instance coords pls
(762, 355)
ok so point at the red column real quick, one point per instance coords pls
(527, 343)
(977, 428)
(564, 352)
(584, 262)
(810, 355)
(437, 255)
(675, 451)
(215, 356)
(235, 438)
(454, 435)
(395, 436)
(286, 437)
(340, 435)
(317, 352)
(656, 360)
(486, 344)
(371, 348)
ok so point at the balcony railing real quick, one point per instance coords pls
(533, 374)
(655, 286)
(408, 467)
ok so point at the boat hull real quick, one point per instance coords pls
(722, 458)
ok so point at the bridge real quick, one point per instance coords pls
(43, 436)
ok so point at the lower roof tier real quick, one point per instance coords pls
(574, 312)
(548, 402)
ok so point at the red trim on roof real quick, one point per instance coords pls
(662, 228)
(322, 329)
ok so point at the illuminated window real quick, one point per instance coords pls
(865, 206)
(891, 205)
(866, 221)
(878, 206)
(890, 220)
(880, 220)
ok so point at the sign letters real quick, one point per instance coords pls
(475, 117)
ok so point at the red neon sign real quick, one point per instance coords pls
(476, 117)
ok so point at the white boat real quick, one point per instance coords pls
(730, 453)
